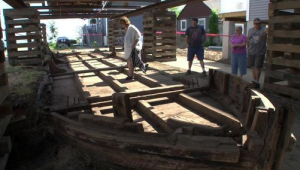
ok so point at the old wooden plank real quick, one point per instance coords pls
(30, 44)
(284, 33)
(24, 12)
(184, 146)
(22, 22)
(225, 84)
(109, 123)
(284, 48)
(88, 71)
(279, 89)
(284, 5)
(122, 107)
(253, 103)
(284, 19)
(5, 145)
(24, 53)
(210, 112)
(259, 122)
(286, 62)
(26, 29)
(287, 127)
(81, 106)
(283, 76)
(36, 36)
(149, 112)
(194, 128)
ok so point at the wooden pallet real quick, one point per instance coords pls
(115, 34)
(283, 59)
(24, 36)
(160, 35)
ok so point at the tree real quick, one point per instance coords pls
(53, 31)
(177, 10)
(213, 25)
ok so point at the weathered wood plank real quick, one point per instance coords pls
(253, 103)
(3, 80)
(210, 112)
(88, 71)
(24, 53)
(110, 123)
(286, 62)
(26, 29)
(279, 89)
(36, 36)
(152, 114)
(31, 44)
(4, 91)
(259, 122)
(22, 22)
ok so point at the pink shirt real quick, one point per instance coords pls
(239, 40)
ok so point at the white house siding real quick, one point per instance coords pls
(259, 9)
(228, 6)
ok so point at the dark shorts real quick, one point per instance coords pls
(256, 61)
(199, 52)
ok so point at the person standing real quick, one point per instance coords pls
(195, 38)
(257, 37)
(132, 47)
(238, 53)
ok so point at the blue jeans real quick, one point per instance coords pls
(238, 62)
(199, 52)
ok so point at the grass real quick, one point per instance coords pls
(23, 82)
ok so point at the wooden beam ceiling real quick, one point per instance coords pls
(86, 1)
(82, 16)
(16, 3)
(80, 7)
(156, 6)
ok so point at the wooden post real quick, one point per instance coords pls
(122, 108)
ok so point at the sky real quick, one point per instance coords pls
(65, 27)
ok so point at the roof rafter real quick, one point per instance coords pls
(160, 5)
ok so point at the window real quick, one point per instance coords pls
(201, 21)
(183, 25)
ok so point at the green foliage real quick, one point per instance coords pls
(213, 24)
(177, 10)
(96, 46)
(53, 31)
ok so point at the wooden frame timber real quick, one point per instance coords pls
(23, 24)
(283, 64)
(245, 121)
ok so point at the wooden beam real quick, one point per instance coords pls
(219, 116)
(196, 129)
(88, 1)
(259, 122)
(109, 123)
(156, 6)
(150, 113)
(16, 3)
(71, 7)
(88, 71)
(253, 103)
(75, 16)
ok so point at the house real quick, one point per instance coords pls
(193, 10)
(200, 10)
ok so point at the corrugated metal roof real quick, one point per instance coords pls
(198, 9)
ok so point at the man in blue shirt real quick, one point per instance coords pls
(195, 38)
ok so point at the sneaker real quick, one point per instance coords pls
(256, 84)
(128, 78)
(146, 68)
(188, 72)
(204, 73)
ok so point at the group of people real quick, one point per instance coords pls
(253, 46)
(255, 43)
